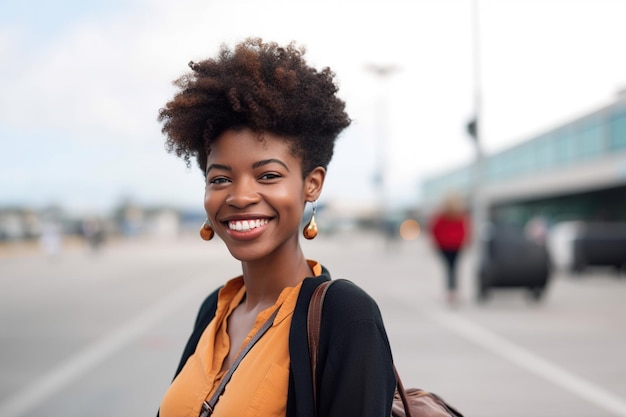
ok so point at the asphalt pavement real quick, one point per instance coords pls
(100, 334)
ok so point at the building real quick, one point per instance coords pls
(576, 171)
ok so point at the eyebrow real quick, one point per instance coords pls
(254, 165)
(269, 161)
(218, 166)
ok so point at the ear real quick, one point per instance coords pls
(313, 184)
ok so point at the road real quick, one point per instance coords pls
(100, 334)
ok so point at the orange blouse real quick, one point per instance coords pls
(259, 386)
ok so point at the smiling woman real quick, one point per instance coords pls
(261, 124)
(254, 187)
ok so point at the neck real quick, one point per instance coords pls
(265, 279)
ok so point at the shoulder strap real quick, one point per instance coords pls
(314, 324)
(207, 407)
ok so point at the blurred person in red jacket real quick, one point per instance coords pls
(450, 229)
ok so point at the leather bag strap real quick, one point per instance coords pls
(314, 325)
(402, 393)
(207, 407)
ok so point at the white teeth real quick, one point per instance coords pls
(245, 225)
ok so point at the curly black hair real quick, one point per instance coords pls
(261, 86)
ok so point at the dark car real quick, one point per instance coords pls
(599, 244)
(511, 259)
(578, 245)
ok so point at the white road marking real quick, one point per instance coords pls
(67, 372)
(531, 362)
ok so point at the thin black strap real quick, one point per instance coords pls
(207, 407)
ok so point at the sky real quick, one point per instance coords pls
(81, 84)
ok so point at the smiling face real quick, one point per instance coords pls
(255, 194)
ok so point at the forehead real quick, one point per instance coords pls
(246, 144)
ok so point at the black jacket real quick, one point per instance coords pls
(355, 366)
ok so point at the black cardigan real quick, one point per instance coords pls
(355, 366)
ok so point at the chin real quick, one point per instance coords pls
(245, 254)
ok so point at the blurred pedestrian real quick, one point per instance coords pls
(51, 239)
(262, 125)
(93, 232)
(450, 230)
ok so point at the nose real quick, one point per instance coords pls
(243, 193)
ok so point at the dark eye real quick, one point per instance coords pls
(270, 176)
(218, 180)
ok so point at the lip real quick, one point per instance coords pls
(246, 233)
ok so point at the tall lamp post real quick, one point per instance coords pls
(382, 73)
(479, 214)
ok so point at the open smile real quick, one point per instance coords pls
(245, 225)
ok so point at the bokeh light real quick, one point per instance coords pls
(410, 229)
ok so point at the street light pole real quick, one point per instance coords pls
(382, 73)
(475, 131)
(479, 210)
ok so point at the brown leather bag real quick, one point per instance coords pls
(412, 402)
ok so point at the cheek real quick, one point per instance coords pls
(293, 202)
(209, 202)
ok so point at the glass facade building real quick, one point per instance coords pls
(590, 151)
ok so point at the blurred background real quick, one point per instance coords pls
(516, 107)
(531, 89)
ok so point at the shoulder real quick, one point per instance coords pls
(347, 304)
(205, 315)
(345, 293)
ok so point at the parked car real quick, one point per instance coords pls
(578, 245)
(510, 258)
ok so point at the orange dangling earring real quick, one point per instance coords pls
(206, 231)
(310, 230)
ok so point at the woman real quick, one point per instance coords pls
(450, 231)
(262, 124)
